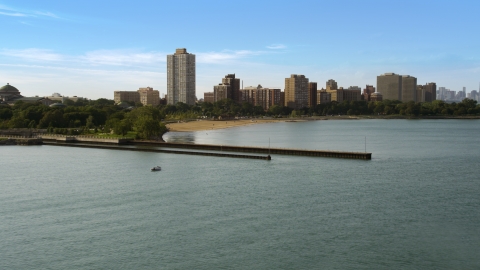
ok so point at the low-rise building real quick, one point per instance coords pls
(209, 97)
(147, 96)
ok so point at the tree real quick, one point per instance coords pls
(52, 118)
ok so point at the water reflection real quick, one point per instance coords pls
(179, 137)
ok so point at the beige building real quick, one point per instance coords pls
(390, 85)
(335, 94)
(181, 77)
(296, 91)
(146, 96)
(323, 97)
(409, 88)
(331, 84)
(131, 96)
(397, 87)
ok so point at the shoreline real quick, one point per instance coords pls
(202, 125)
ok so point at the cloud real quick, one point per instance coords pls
(121, 58)
(46, 14)
(276, 46)
(93, 58)
(7, 11)
(33, 54)
(219, 57)
(16, 14)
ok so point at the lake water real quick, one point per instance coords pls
(415, 205)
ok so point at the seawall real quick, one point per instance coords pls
(123, 148)
(208, 147)
(261, 150)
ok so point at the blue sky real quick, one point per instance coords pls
(92, 48)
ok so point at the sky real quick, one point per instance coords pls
(93, 48)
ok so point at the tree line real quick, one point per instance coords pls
(148, 121)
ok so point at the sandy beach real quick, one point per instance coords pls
(209, 124)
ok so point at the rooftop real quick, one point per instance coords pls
(8, 88)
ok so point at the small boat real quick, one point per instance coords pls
(156, 168)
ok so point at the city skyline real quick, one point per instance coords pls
(91, 50)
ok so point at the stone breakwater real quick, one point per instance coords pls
(91, 142)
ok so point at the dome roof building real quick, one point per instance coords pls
(9, 92)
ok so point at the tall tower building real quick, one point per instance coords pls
(390, 85)
(430, 92)
(312, 94)
(332, 85)
(296, 91)
(181, 77)
(409, 88)
(234, 87)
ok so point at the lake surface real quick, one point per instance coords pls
(415, 205)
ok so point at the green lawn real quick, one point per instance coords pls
(130, 134)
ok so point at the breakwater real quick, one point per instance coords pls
(260, 150)
(123, 148)
(61, 139)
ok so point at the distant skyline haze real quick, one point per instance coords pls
(92, 48)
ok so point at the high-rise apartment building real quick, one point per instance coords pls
(390, 85)
(353, 93)
(229, 88)
(181, 77)
(332, 85)
(234, 86)
(409, 88)
(427, 92)
(312, 94)
(259, 96)
(421, 93)
(336, 94)
(296, 91)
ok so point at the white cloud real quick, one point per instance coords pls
(7, 11)
(276, 46)
(46, 14)
(15, 14)
(33, 54)
(219, 57)
(122, 58)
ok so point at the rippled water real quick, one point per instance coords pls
(415, 205)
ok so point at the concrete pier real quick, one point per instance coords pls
(208, 147)
(123, 148)
(261, 150)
